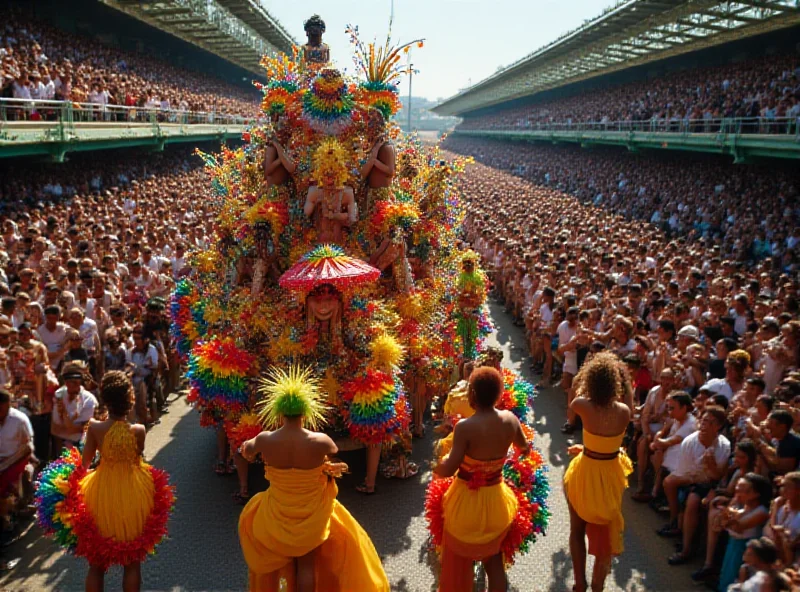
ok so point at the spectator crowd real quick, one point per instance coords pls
(88, 259)
(705, 319)
(40, 62)
(764, 89)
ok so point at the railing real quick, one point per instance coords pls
(787, 126)
(14, 110)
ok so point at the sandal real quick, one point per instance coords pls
(241, 498)
(364, 488)
(678, 559)
(230, 468)
(219, 469)
(669, 531)
(642, 497)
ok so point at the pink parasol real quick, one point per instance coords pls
(327, 264)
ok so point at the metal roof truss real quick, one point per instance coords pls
(207, 22)
(632, 33)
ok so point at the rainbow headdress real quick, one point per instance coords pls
(375, 407)
(328, 106)
(187, 310)
(290, 394)
(218, 371)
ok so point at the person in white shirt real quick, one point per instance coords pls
(568, 347)
(21, 88)
(667, 446)
(53, 334)
(178, 261)
(703, 459)
(143, 359)
(74, 407)
(16, 448)
(90, 337)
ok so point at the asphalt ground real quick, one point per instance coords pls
(203, 552)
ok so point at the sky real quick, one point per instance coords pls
(465, 40)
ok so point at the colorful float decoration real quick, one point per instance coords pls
(336, 247)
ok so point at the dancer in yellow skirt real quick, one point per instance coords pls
(117, 513)
(598, 475)
(479, 508)
(296, 531)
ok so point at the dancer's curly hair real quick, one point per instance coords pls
(115, 393)
(600, 379)
(315, 22)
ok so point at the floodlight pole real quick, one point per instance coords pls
(410, 75)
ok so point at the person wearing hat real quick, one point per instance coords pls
(74, 407)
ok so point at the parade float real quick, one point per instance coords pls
(336, 249)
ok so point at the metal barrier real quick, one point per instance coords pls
(787, 126)
(71, 112)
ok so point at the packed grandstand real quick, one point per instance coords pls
(635, 189)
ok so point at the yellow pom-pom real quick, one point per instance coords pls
(386, 351)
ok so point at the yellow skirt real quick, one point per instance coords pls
(297, 515)
(594, 489)
(120, 497)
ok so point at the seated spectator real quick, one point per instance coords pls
(780, 459)
(74, 407)
(717, 501)
(702, 461)
(16, 448)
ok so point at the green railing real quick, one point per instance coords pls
(56, 127)
(742, 138)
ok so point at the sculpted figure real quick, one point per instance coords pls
(315, 52)
(324, 311)
(379, 168)
(330, 200)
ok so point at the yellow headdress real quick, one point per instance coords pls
(330, 157)
(290, 394)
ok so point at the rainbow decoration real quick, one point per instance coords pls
(52, 488)
(279, 96)
(63, 515)
(239, 431)
(272, 213)
(375, 407)
(518, 395)
(218, 371)
(328, 264)
(381, 96)
(390, 214)
(187, 310)
(328, 106)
